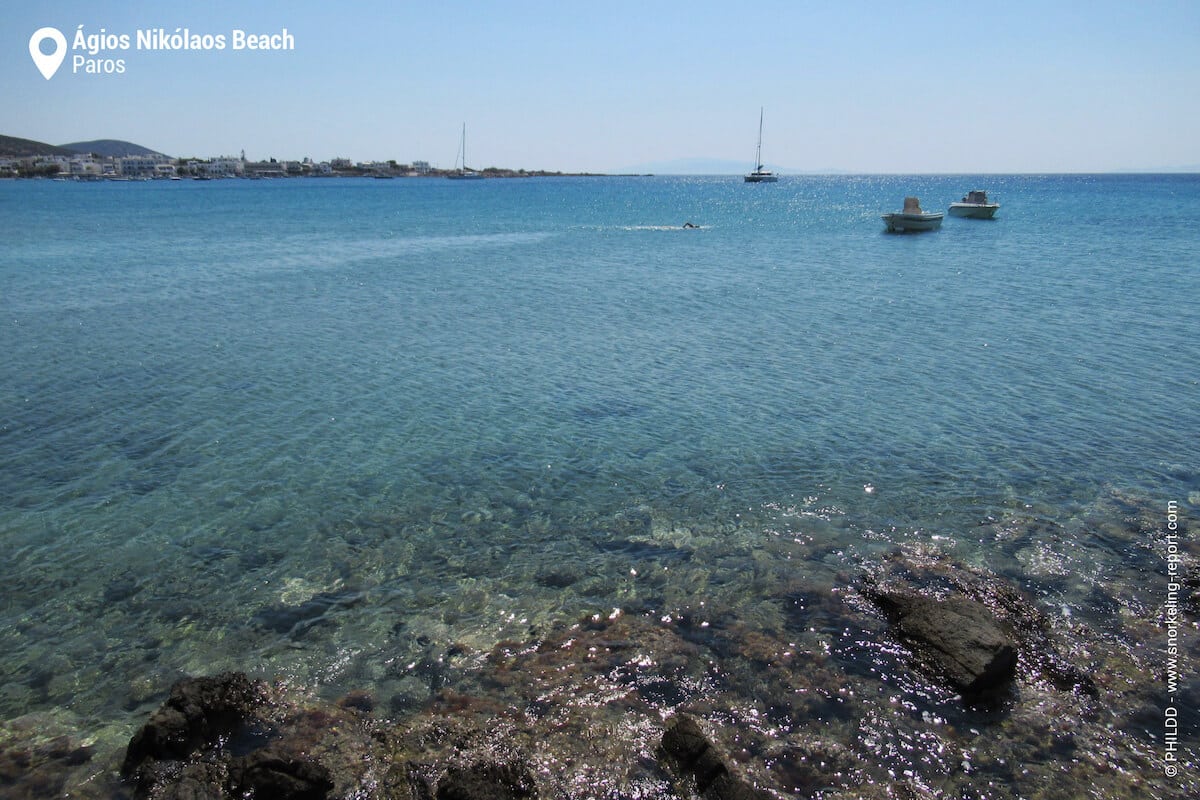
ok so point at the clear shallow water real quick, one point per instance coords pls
(316, 428)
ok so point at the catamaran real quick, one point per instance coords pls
(760, 175)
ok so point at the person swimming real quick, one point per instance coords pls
(689, 224)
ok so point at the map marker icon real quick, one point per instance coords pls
(48, 64)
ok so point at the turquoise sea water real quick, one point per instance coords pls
(319, 428)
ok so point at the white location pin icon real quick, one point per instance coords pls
(48, 64)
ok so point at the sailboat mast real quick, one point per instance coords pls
(758, 153)
(464, 164)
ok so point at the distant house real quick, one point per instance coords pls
(141, 166)
(224, 167)
(421, 167)
(86, 166)
(63, 163)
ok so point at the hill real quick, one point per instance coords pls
(114, 148)
(12, 147)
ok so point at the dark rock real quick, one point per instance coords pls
(358, 701)
(275, 773)
(685, 744)
(727, 787)
(1040, 656)
(957, 637)
(209, 741)
(198, 781)
(487, 781)
(1033, 632)
(197, 713)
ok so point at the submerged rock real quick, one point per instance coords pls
(198, 712)
(957, 637)
(686, 745)
(488, 780)
(186, 749)
(983, 633)
(274, 772)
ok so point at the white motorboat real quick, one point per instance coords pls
(760, 175)
(974, 205)
(912, 218)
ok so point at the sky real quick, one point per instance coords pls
(614, 86)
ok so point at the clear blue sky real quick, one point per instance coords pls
(604, 86)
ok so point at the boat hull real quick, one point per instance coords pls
(906, 223)
(756, 177)
(974, 210)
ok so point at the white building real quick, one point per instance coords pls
(62, 162)
(142, 166)
(224, 166)
(86, 166)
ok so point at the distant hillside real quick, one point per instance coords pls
(12, 147)
(114, 148)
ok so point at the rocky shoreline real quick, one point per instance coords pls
(229, 736)
(968, 679)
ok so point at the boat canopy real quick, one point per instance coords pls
(912, 206)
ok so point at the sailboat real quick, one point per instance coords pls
(760, 175)
(463, 173)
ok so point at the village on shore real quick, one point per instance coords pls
(91, 166)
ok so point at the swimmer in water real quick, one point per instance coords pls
(688, 224)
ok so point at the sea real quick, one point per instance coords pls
(356, 435)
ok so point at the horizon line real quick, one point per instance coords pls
(664, 168)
